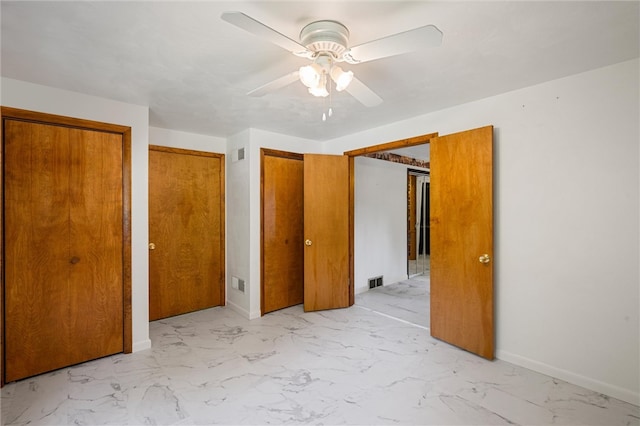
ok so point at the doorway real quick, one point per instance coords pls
(396, 250)
(396, 247)
(461, 235)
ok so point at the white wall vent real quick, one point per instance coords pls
(237, 283)
(237, 155)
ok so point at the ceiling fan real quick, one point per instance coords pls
(326, 43)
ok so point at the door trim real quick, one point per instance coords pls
(125, 132)
(401, 143)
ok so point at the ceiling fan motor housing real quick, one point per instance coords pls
(325, 37)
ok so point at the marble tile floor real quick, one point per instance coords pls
(421, 265)
(340, 367)
(406, 300)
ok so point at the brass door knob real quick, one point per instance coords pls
(485, 258)
(152, 246)
(308, 242)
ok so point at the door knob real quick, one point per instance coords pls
(152, 246)
(308, 242)
(484, 258)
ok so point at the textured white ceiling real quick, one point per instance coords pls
(193, 70)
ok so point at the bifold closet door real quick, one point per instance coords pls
(63, 237)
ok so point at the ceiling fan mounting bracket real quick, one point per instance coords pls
(325, 37)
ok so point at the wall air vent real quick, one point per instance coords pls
(237, 155)
(237, 283)
(375, 282)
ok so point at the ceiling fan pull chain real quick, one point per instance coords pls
(330, 97)
(324, 106)
(329, 111)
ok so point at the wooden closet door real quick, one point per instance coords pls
(186, 231)
(63, 247)
(95, 188)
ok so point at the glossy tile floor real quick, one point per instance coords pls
(346, 366)
(421, 265)
(407, 300)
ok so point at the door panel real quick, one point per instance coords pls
(462, 232)
(63, 288)
(326, 232)
(186, 226)
(96, 241)
(282, 230)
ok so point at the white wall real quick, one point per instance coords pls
(566, 222)
(380, 222)
(18, 94)
(238, 213)
(185, 140)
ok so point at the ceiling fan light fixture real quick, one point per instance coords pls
(310, 75)
(341, 78)
(320, 90)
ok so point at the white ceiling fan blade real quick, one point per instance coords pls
(408, 41)
(363, 94)
(274, 85)
(257, 28)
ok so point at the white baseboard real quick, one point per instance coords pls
(141, 345)
(241, 310)
(359, 290)
(623, 394)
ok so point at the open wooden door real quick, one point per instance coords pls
(462, 240)
(326, 231)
